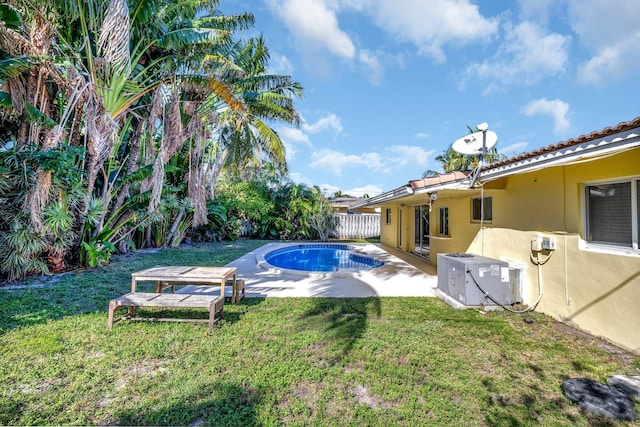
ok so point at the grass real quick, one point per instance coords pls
(313, 361)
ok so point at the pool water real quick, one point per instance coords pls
(321, 257)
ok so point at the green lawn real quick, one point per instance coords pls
(315, 361)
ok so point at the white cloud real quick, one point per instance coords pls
(329, 123)
(513, 149)
(527, 55)
(328, 190)
(314, 26)
(555, 108)
(421, 135)
(394, 158)
(293, 136)
(369, 189)
(373, 66)
(300, 178)
(335, 161)
(290, 151)
(538, 10)
(408, 155)
(280, 64)
(612, 33)
(430, 25)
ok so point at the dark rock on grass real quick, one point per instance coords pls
(600, 399)
(628, 385)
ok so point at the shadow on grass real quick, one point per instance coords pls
(341, 322)
(40, 299)
(223, 404)
(232, 313)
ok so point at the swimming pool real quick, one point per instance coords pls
(319, 258)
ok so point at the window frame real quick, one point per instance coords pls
(443, 223)
(484, 211)
(611, 248)
(388, 216)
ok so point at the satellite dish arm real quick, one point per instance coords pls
(484, 147)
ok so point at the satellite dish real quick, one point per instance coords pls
(472, 144)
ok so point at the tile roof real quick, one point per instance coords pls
(438, 179)
(608, 131)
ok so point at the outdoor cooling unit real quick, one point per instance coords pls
(468, 278)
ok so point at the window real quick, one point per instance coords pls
(443, 222)
(388, 214)
(611, 211)
(480, 212)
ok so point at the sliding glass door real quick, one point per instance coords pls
(422, 231)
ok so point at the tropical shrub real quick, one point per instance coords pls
(284, 211)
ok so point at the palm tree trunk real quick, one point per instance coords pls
(221, 159)
(132, 165)
(174, 227)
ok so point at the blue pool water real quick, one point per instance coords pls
(320, 257)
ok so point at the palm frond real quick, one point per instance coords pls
(12, 67)
(113, 41)
(225, 92)
(10, 17)
(230, 23)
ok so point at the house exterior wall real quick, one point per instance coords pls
(597, 291)
(461, 229)
(389, 230)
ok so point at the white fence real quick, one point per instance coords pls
(350, 226)
(358, 226)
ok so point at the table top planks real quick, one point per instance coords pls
(185, 274)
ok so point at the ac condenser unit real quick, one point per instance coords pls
(474, 280)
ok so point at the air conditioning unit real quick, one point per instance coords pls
(475, 280)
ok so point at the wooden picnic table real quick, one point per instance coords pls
(185, 275)
(170, 276)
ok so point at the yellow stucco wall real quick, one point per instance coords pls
(389, 231)
(596, 291)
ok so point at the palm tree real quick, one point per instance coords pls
(244, 138)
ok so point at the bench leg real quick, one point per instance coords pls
(214, 307)
(112, 308)
(241, 292)
(237, 291)
(161, 286)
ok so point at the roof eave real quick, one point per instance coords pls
(406, 191)
(396, 193)
(589, 150)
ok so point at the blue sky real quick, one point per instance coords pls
(390, 84)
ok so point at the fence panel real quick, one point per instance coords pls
(358, 226)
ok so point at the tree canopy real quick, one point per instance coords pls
(117, 119)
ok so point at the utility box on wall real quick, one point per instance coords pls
(475, 280)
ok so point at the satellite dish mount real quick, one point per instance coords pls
(476, 144)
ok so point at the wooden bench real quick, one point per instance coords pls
(237, 294)
(213, 303)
